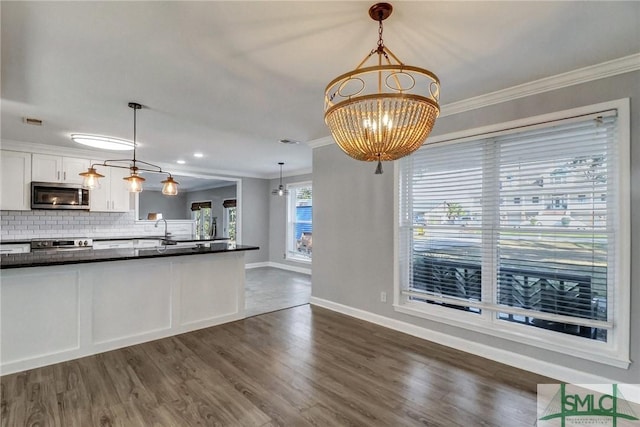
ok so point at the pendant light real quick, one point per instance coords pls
(280, 191)
(169, 186)
(134, 180)
(382, 112)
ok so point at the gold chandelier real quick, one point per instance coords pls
(134, 181)
(382, 112)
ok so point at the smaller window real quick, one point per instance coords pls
(603, 197)
(582, 198)
(535, 200)
(300, 222)
(202, 214)
(516, 200)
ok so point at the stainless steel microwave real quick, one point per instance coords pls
(54, 195)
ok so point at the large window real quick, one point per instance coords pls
(300, 221)
(552, 272)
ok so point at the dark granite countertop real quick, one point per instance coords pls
(48, 258)
(181, 238)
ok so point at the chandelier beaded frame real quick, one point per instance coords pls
(382, 112)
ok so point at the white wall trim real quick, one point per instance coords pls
(320, 142)
(623, 65)
(611, 68)
(287, 267)
(252, 265)
(34, 147)
(526, 363)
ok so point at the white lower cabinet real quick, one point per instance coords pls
(112, 244)
(15, 181)
(146, 243)
(15, 248)
(112, 195)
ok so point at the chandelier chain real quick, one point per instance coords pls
(381, 50)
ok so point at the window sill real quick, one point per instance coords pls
(564, 345)
(300, 260)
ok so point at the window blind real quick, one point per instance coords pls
(518, 223)
(196, 206)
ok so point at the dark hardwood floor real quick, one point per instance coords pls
(304, 366)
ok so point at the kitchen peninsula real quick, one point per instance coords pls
(61, 305)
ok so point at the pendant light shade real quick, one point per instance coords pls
(90, 178)
(280, 191)
(134, 180)
(382, 112)
(169, 186)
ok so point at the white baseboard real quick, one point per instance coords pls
(255, 265)
(294, 268)
(516, 360)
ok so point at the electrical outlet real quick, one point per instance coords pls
(383, 297)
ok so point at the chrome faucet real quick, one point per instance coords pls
(167, 235)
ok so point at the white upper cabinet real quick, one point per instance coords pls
(48, 168)
(15, 180)
(112, 195)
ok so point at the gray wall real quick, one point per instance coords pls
(353, 220)
(217, 196)
(278, 222)
(255, 218)
(171, 207)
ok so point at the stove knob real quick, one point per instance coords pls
(86, 243)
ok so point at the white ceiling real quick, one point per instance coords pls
(230, 79)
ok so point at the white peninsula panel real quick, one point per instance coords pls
(39, 314)
(209, 291)
(131, 299)
(55, 313)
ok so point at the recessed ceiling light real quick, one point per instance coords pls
(103, 142)
(198, 155)
(180, 162)
(288, 141)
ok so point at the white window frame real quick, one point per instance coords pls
(290, 250)
(199, 226)
(615, 351)
(225, 221)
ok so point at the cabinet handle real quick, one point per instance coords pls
(64, 175)
(58, 176)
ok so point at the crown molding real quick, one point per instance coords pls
(611, 68)
(32, 147)
(623, 65)
(55, 150)
(320, 142)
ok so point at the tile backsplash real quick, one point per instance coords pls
(37, 224)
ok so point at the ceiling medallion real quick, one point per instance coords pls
(385, 111)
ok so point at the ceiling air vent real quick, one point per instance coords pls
(32, 121)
